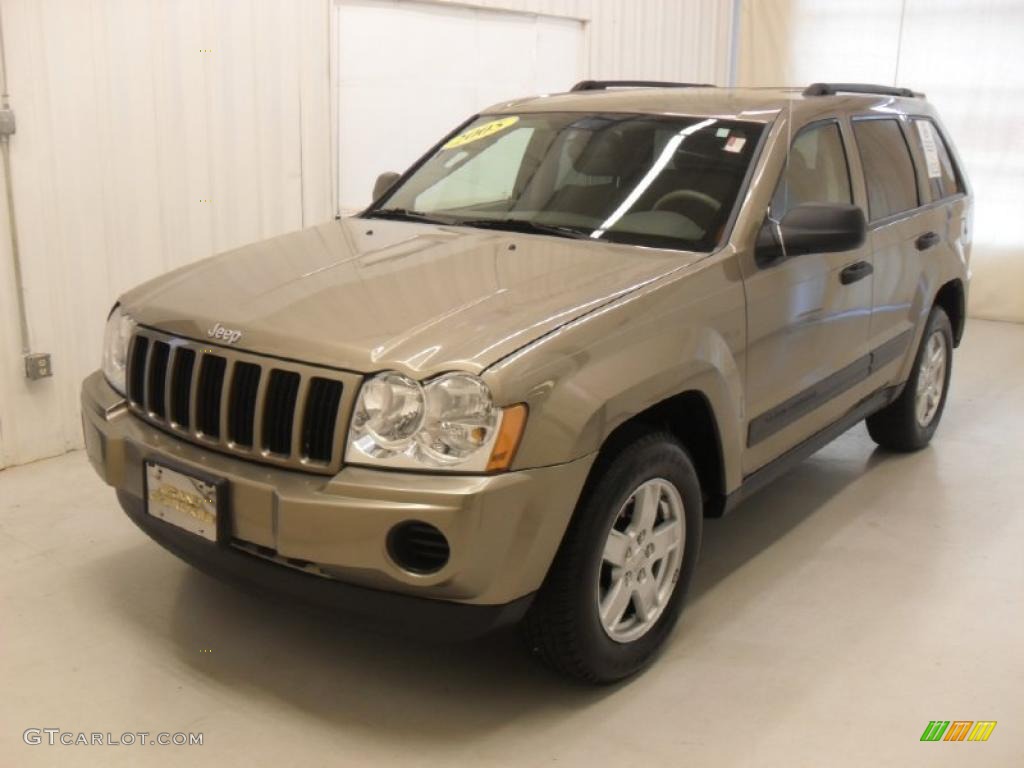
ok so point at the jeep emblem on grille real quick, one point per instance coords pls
(225, 334)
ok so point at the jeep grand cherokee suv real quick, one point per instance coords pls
(512, 387)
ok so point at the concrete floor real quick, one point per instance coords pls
(833, 616)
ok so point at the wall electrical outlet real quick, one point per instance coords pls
(38, 366)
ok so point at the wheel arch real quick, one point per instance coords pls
(951, 297)
(690, 417)
(653, 354)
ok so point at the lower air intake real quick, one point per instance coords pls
(418, 547)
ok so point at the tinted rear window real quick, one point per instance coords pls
(942, 177)
(888, 169)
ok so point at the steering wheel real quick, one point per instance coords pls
(692, 195)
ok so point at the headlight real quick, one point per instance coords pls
(116, 339)
(388, 414)
(460, 419)
(450, 422)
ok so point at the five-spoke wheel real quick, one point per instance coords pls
(931, 380)
(909, 421)
(640, 562)
(618, 583)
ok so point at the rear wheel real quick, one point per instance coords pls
(908, 423)
(618, 583)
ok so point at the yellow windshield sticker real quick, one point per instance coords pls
(481, 132)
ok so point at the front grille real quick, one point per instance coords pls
(269, 410)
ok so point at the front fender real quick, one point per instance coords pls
(684, 333)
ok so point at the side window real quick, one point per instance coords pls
(888, 170)
(816, 171)
(943, 180)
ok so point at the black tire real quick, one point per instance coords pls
(896, 427)
(563, 626)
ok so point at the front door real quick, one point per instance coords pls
(807, 321)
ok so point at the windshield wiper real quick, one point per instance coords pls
(404, 214)
(508, 225)
(524, 225)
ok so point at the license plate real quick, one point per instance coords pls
(183, 500)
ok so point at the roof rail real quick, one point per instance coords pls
(831, 89)
(603, 85)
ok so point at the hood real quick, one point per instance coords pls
(367, 295)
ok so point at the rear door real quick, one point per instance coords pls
(901, 230)
(945, 196)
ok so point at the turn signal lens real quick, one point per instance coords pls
(513, 422)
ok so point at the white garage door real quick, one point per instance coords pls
(409, 72)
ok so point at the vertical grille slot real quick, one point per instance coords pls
(321, 415)
(208, 396)
(137, 370)
(156, 400)
(181, 386)
(279, 411)
(242, 404)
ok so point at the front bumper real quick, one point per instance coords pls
(503, 530)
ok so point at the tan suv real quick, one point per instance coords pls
(512, 388)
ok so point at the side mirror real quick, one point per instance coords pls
(385, 182)
(812, 228)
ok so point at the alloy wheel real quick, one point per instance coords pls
(931, 379)
(641, 560)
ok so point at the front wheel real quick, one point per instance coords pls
(908, 423)
(617, 585)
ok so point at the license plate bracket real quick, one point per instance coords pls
(190, 500)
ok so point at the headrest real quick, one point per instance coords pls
(609, 153)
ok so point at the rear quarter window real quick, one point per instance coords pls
(940, 173)
(888, 170)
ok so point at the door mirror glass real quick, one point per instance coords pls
(812, 228)
(384, 183)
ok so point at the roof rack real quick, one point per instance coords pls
(831, 89)
(603, 85)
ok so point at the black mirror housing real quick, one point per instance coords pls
(384, 183)
(812, 228)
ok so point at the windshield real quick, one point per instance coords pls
(668, 182)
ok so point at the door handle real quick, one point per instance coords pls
(855, 272)
(927, 240)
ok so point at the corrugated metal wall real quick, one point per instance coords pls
(654, 39)
(150, 134)
(154, 133)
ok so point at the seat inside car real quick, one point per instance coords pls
(605, 164)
